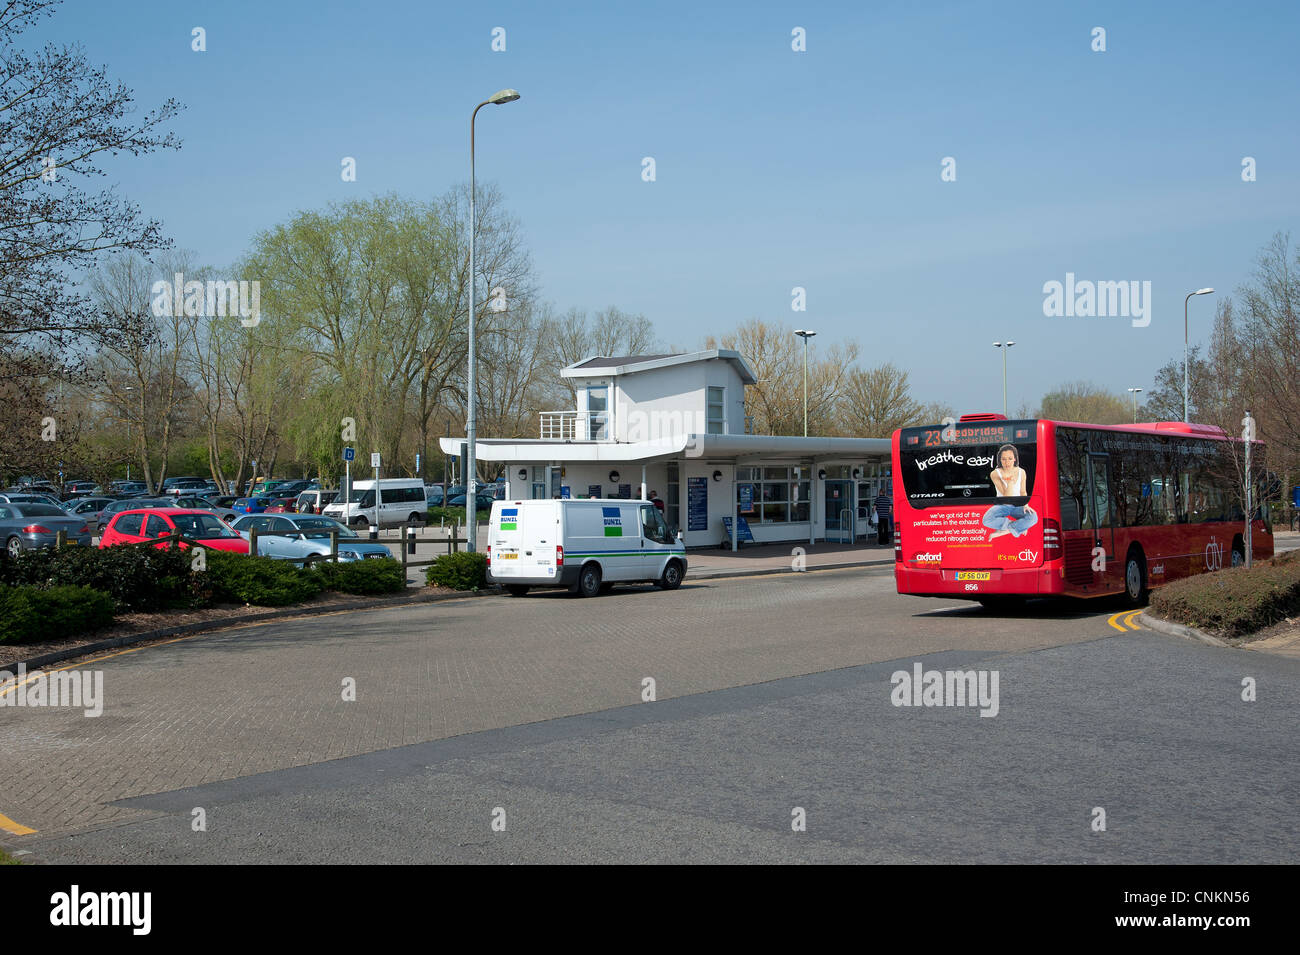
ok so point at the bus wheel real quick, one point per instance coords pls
(1135, 578)
(589, 580)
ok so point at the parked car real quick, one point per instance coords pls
(126, 504)
(138, 526)
(250, 505)
(402, 501)
(195, 503)
(484, 501)
(21, 497)
(298, 537)
(314, 500)
(87, 508)
(433, 495)
(26, 526)
(224, 500)
(281, 505)
(180, 485)
(73, 489)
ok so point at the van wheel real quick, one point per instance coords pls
(672, 576)
(589, 580)
(516, 590)
(1135, 579)
(414, 519)
(361, 522)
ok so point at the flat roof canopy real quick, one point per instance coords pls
(712, 446)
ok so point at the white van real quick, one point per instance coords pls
(584, 545)
(401, 501)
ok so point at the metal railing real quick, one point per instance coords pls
(575, 426)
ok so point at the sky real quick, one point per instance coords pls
(774, 168)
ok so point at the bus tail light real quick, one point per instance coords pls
(898, 544)
(559, 556)
(1051, 539)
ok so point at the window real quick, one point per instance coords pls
(771, 495)
(717, 411)
(597, 412)
(129, 524)
(156, 527)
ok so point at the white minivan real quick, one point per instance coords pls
(584, 545)
(401, 501)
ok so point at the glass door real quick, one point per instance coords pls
(839, 511)
(1102, 511)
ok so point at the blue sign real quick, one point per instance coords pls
(1295, 496)
(697, 504)
(349, 454)
(564, 492)
(746, 498)
(745, 533)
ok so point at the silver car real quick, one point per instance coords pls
(196, 503)
(299, 537)
(34, 526)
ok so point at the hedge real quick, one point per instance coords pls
(1234, 602)
(241, 578)
(138, 579)
(369, 576)
(463, 570)
(29, 613)
(454, 515)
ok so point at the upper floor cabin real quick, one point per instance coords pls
(634, 398)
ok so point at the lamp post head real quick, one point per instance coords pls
(805, 333)
(503, 96)
(1203, 291)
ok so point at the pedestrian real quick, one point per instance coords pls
(884, 518)
(654, 499)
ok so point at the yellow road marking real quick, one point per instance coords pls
(1113, 617)
(1127, 624)
(1129, 620)
(17, 829)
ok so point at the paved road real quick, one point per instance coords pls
(771, 694)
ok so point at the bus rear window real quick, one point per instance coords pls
(968, 472)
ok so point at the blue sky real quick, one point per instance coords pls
(775, 168)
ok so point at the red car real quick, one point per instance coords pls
(283, 505)
(133, 527)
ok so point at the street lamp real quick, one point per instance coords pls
(471, 501)
(1201, 291)
(1135, 392)
(129, 449)
(1005, 346)
(805, 334)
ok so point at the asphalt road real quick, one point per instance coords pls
(772, 695)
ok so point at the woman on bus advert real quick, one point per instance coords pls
(1010, 481)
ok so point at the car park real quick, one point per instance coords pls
(302, 537)
(584, 545)
(401, 501)
(28, 526)
(156, 524)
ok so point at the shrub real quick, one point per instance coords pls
(361, 576)
(1234, 602)
(138, 579)
(240, 578)
(28, 613)
(464, 570)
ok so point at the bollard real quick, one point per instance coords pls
(252, 541)
(410, 540)
(334, 546)
(374, 532)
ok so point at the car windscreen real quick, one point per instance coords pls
(201, 526)
(983, 461)
(320, 528)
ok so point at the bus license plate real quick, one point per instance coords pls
(973, 575)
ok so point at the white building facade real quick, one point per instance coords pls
(675, 425)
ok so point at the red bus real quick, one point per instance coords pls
(997, 510)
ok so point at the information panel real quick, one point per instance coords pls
(697, 504)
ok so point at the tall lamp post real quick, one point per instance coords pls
(129, 449)
(1006, 347)
(471, 499)
(805, 334)
(1201, 291)
(1135, 392)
